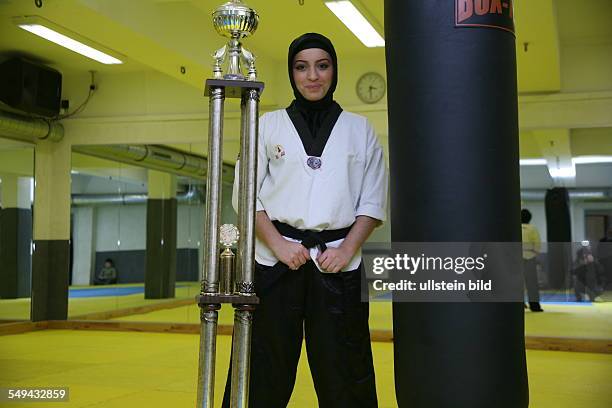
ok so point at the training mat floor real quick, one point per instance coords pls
(590, 322)
(119, 369)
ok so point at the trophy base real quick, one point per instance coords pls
(206, 299)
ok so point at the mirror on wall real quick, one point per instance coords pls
(137, 225)
(16, 198)
(573, 277)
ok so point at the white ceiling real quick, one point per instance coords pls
(165, 34)
(160, 36)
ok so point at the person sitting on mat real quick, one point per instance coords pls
(108, 274)
(588, 275)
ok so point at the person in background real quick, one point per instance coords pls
(604, 253)
(588, 276)
(531, 249)
(108, 274)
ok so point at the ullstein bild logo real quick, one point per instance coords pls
(485, 13)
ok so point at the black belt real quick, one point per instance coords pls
(309, 238)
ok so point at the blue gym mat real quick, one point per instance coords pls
(108, 291)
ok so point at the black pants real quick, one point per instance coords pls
(586, 282)
(531, 280)
(327, 310)
(110, 281)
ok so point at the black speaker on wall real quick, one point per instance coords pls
(30, 87)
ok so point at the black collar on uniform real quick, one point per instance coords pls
(314, 144)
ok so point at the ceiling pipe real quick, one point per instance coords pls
(190, 196)
(157, 157)
(29, 129)
(574, 193)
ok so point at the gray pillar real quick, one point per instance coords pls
(51, 255)
(15, 237)
(160, 262)
(84, 246)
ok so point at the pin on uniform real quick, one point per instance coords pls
(234, 20)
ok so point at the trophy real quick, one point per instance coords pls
(229, 237)
(235, 21)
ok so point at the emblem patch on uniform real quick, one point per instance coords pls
(279, 151)
(313, 162)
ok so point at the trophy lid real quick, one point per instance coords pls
(234, 19)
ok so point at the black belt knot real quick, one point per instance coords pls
(311, 239)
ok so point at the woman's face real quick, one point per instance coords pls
(313, 73)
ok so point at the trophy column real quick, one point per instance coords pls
(235, 21)
(210, 284)
(243, 316)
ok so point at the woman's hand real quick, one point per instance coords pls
(334, 259)
(292, 254)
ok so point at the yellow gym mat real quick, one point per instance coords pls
(592, 322)
(119, 369)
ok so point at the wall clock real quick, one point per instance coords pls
(371, 87)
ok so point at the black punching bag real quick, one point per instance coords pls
(454, 157)
(559, 236)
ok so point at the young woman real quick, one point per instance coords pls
(322, 189)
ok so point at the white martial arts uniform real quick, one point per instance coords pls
(351, 181)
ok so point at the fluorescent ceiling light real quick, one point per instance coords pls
(356, 22)
(588, 194)
(532, 162)
(591, 159)
(42, 30)
(562, 172)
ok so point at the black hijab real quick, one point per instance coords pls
(314, 120)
